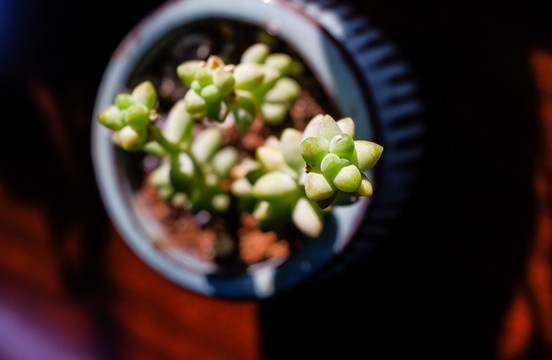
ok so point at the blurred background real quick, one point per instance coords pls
(466, 271)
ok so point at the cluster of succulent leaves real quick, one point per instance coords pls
(131, 115)
(294, 178)
(258, 84)
(271, 185)
(335, 161)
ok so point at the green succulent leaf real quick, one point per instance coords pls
(112, 118)
(182, 171)
(224, 81)
(131, 139)
(256, 54)
(145, 94)
(342, 145)
(366, 154)
(178, 126)
(267, 211)
(220, 202)
(290, 141)
(270, 78)
(365, 188)
(274, 114)
(160, 176)
(313, 150)
(123, 100)
(284, 91)
(347, 125)
(322, 125)
(187, 71)
(224, 160)
(280, 62)
(348, 179)
(154, 148)
(317, 186)
(331, 165)
(137, 115)
(276, 186)
(194, 102)
(206, 143)
(272, 159)
(248, 76)
(242, 188)
(210, 93)
(204, 76)
(307, 217)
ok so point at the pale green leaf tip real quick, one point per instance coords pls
(307, 217)
(111, 118)
(317, 187)
(145, 94)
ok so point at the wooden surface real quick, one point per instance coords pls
(124, 311)
(465, 273)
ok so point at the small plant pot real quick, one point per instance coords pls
(351, 69)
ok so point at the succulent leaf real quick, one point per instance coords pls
(284, 91)
(137, 115)
(275, 186)
(242, 188)
(194, 102)
(204, 76)
(224, 81)
(112, 118)
(366, 154)
(145, 94)
(365, 188)
(290, 141)
(313, 150)
(307, 217)
(182, 170)
(279, 61)
(274, 114)
(317, 187)
(266, 211)
(187, 71)
(123, 100)
(256, 53)
(331, 165)
(248, 76)
(178, 126)
(220, 202)
(131, 139)
(347, 125)
(206, 143)
(342, 145)
(348, 179)
(322, 125)
(224, 160)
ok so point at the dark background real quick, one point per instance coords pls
(443, 281)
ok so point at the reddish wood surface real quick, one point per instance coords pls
(529, 317)
(139, 315)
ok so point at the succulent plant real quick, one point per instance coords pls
(261, 77)
(293, 178)
(131, 116)
(271, 185)
(335, 161)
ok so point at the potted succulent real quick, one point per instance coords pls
(217, 152)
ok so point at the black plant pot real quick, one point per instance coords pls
(352, 66)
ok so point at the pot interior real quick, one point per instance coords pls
(201, 236)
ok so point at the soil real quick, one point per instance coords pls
(234, 240)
